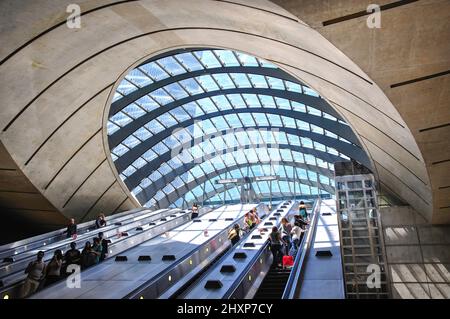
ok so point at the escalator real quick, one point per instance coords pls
(273, 284)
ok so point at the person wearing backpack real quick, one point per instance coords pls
(302, 210)
(36, 272)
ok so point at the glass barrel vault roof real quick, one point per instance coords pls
(184, 119)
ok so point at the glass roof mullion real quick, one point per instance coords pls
(236, 57)
(218, 59)
(199, 61)
(181, 64)
(232, 80)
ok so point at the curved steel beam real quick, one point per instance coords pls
(131, 127)
(274, 194)
(129, 157)
(180, 192)
(135, 179)
(146, 194)
(126, 100)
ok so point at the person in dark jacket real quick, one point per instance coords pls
(100, 221)
(87, 257)
(72, 256)
(194, 211)
(104, 244)
(71, 229)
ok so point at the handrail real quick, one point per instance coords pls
(252, 261)
(224, 257)
(293, 283)
(138, 291)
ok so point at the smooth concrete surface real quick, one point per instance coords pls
(412, 43)
(323, 276)
(418, 254)
(56, 86)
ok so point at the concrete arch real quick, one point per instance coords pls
(57, 83)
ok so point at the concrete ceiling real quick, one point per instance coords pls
(57, 84)
(409, 59)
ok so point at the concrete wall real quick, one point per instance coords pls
(56, 84)
(412, 49)
(418, 254)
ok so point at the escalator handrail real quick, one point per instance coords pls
(252, 261)
(137, 291)
(82, 228)
(293, 283)
(218, 262)
(111, 245)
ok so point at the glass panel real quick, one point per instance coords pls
(129, 171)
(160, 148)
(149, 155)
(241, 80)
(138, 78)
(147, 103)
(189, 61)
(121, 119)
(155, 176)
(191, 86)
(309, 91)
(208, 59)
(222, 102)
(293, 87)
(161, 96)
(207, 105)
(167, 120)
(298, 107)
(125, 87)
(154, 126)
(139, 163)
(267, 101)
(120, 149)
(227, 58)
(154, 71)
(224, 81)
(283, 103)
(131, 141)
(261, 119)
(251, 100)
(171, 66)
(176, 91)
(193, 109)
(247, 60)
(258, 81)
(111, 128)
(134, 111)
(275, 83)
(237, 101)
(180, 114)
(314, 111)
(207, 82)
